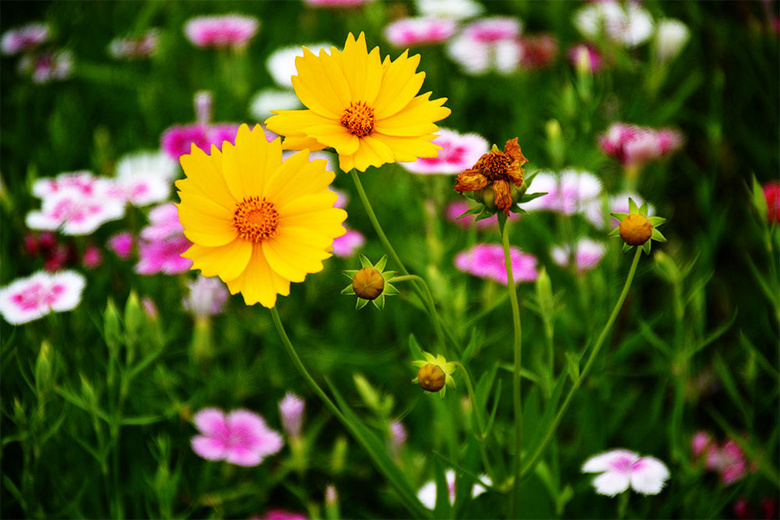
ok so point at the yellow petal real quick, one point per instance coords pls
(416, 119)
(301, 143)
(204, 204)
(320, 84)
(346, 162)
(326, 221)
(307, 203)
(294, 252)
(294, 122)
(205, 175)
(335, 135)
(399, 85)
(204, 229)
(258, 283)
(407, 149)
(297, 177)
(249, 163)
(363, 71)
(227, 262)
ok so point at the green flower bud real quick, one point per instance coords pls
(368, 283)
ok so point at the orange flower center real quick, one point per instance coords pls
(495, 166)
(358, 119)
(256, 220)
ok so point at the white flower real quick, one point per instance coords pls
(567, 193)
(427, 493)
(281, 63)
(28, 299)
(273, 99)
(622, 468)
(629, 26)
(458, 152)
(144, 178)
(670, 38)
(456, 9)
(75, 213)
(156, 163)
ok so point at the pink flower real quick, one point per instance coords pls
(409, 32)
(346, 245)
(567, 193)
(728, 460)
(31, 298)
(700, 442)
(487, 261)
(24, 38)
(398, 435)
(73, 213)
(772, 195)
(585, 55)
(121, 244)
(163, 256)
(231, 30)
(291, 410)
(47, 66)
(628, 24)
(82, 182)
(427, 493)
(622, 468)
(163, 223)
(539, 51)
(490, 44)
(207, 297)
(92, 257)
(135, 48)
(588, 254)
(150, 308)
(594, 210)
(459, 152)
(637, 145)
(338, 4)
(343, 197)
(178, 139)
(281, 514)
(240, 437)
(459, 207)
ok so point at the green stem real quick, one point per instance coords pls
(481, 434)
(531, 464)
(411, 503)
(518, 349)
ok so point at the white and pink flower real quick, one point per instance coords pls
(231, 30)
(47, 66)
(427, 493)
(281, 62)
(487, 261)
(411, 32)
(240, 437)
(121, 244)
(291, 410)
(73, 213)
(568, 192)
(458, 152)
(206, 297)
(621, 469)
(587, 254)
(490, 44)
(336, 4)
(31, 298)
(83, 182)
(135, 48)
(24, 38)
(626, 24)
(637, 145)
(453, 9)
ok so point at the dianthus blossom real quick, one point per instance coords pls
(486, 45)
(621, 469)
(487, 261)
(47, 66)
(221, 31)
(408, 32)
(587, 254)
(627, 24)
(135, 47)
(427, 493)
(207, 297)
(24, 38)
(772, 196)
(27, 299)
(255, 221)
(454, 9)
(458, 152)
(637, 145)
(368, 110)
(240, 437)
(567, 192)
(177, 139)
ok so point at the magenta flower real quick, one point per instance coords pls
(231, 30)
(206, 297)
(121, 244)
(31, 298)
(567, 193)
(346, 245)
(24, 38)
(240, 437)
(772, 196)
(47, 66)
(490, 44)
(459, 152)
(135, 48)
(162, 243)
(637, 145)
(398, 435)
(337, 4)
(487, 261)
(178, 139)
(539, 51)
(588, 253)
(586, 56)
(281, 514)
(163, 223)
(409, 32)
(700, 443)
(291, 410)
(621, 469)
(92, 257)
(459, 207)
(493, 29)
(728, 460)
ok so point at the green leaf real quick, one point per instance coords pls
(619, 216)
(656, 221)
(390, 290)
(442, 507)
(360, 304)
(573, 364)
(379, 302)
(527, 197)
(417, 352)
(365, 262)
(492, 418)
(474, 342)
(348, 290)
(632, 207)
(380, 265)
(471, 211)
(646, 247)
(657, 236)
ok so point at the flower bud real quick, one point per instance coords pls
(431, 378)
(487, 197)
(635, 230)
(368, 283)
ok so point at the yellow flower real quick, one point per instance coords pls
(257, 222)
(365, 108)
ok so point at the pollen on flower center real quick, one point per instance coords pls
(495, 166)
(358, 119)
(256, 220)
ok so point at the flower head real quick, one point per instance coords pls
(636, 228)
(135, 48)
(409, 32)
(371, 283)
(75, 211)
(24, 38)
(256, 221)
(539, 50)
(434, 374)
(240, 437)
(670, 39)
(47, 66)
(121, 244)
(728, 460)
(346, 245)
(637, 145)
(368, 110)
(231, 30)
(454, 9)
(587, 254)
(621, 469)
(206, 297)
(427, 493)
(489, 44)
(487, 261)
(494, 174)
(31, 298)
(567, 192)
(458, 152)
(772, 196)
(626, 24)
(291, 410)
(587, 57)
(594, 210)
